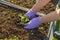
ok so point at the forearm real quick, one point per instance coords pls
(55, 15)
(40, 4)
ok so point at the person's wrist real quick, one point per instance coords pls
(33, 11)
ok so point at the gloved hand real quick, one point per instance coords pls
(30, 14)
(34, 23)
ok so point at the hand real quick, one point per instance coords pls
(30, 14)
(34, 23)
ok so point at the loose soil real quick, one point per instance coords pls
(29, 3)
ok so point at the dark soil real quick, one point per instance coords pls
(9, 26)
(9, 22)
(29, 3)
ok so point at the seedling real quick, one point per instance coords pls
(24, 19)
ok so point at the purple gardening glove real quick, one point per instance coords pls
(34, 23)
(30, 14)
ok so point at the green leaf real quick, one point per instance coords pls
(5, 39)
(24, 19)
(59, 5)
(54, 38)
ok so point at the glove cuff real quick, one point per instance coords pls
(30, 14)
(38, 20)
